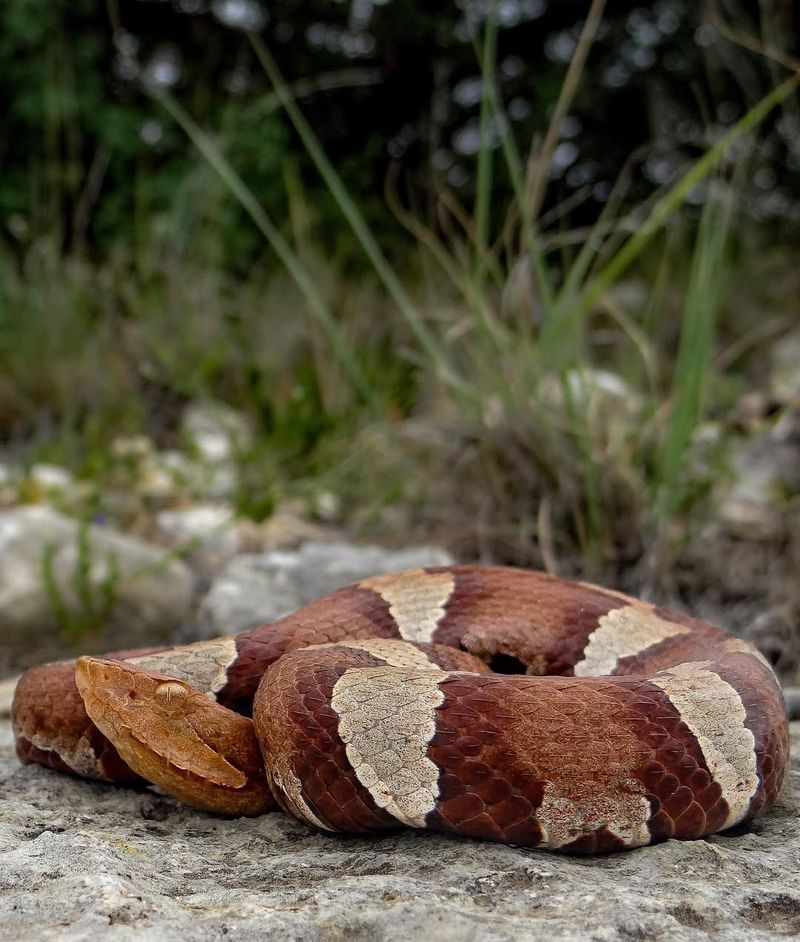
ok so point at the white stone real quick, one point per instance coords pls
(132, 448)
(328, 506)
(7, 688)
(44, 565)
(260, 587)
(766, 469)
(171, 474)
(216, 431)
(785, 373)
(51, 477)
(610, 408)
(207, 532)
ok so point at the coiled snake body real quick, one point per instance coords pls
(612, 723)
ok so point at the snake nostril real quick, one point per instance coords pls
(507, 664)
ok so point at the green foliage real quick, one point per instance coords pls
(87, 602)
(83, 152)
(705, 292)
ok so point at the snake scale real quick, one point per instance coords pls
(492, 702)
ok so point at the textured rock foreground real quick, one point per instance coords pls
(84, 861)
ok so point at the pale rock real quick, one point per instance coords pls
(751, 518)
(327, 506)
(215, 435)
(785, 373)
(216, 431)
(207, 534)
(9, 486)
(50, 477)
(752, 411)
(132, 448)
(196, 524)
(765, 474)
(258, 588)
(287, 528)
(170, 476)
(610, 408)
(158, 486)
(520, 301)
(209, 480)
(702, 455)
(47, 562)
(631, 294)
(7, 688)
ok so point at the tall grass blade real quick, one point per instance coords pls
(514, 163)
(703, 297)
(277, 242)
(569, 87)
(676, 196)
(352, 214)
(483, 183)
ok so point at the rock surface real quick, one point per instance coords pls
(755, 504)
(216, 434)
(56, 577)
(206, 533)
(80, 860)
(261, 587)
(785, 374)
(215, 430)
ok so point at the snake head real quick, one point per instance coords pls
(132, 694)
(176, 737)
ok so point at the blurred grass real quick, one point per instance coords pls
(474, 388)
(709, 275)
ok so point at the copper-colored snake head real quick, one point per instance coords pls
(175, 737)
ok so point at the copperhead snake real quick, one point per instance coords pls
(611, 724)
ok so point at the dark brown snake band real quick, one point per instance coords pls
(611, 724)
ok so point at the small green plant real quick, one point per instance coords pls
(86, 602)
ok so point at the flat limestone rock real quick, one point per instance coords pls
(255, 588)
(79, 860)
(63, 587)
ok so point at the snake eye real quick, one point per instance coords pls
(170, 693)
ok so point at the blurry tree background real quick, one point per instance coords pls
(88, 158)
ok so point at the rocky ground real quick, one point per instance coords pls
(80, 861)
